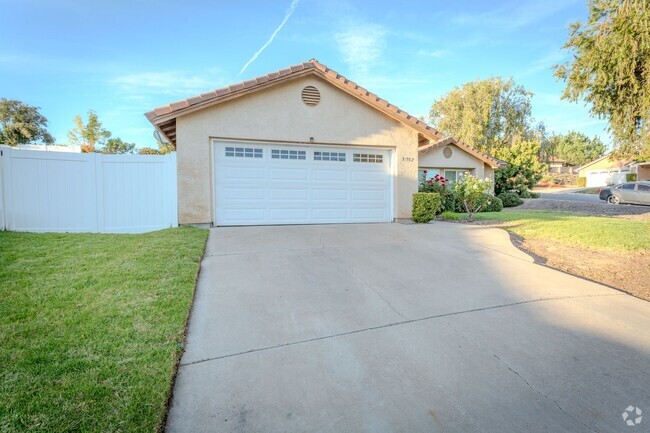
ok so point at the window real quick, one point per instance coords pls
(367, 157)
(628, 187)
(431, 173)
(329, 156)
(244, 152)
(455, 175)
(288, 154)
(643, 188)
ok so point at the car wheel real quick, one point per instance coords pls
(612, 199)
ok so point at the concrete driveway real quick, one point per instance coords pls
(404, 328)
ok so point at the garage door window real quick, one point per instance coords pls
(244, 152)
(367, 157)
(329, 156)
(288, 154)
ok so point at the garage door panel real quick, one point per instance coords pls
(267, 189)
(368, 176)
(329, 194)
(330, 175)
(289, 194)
(368, 195)
(238, 172)
(288, 173)
(242, 194)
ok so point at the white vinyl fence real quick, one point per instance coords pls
(86, 192)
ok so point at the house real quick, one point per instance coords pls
(303, 145)
(607, 170)
(558, 165)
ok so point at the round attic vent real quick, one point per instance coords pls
(310, 96)
(446, 152)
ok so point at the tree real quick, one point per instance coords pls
(576, 148)
(524, 168)
(471, 191)
(22, 124)
(90, 135)
(610, 69)
(117, 146)
(486, 114)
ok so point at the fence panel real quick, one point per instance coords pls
(66, 192)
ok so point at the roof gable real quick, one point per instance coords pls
(164, 118)
(492, 162)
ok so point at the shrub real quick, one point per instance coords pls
(449, 216)
(492, 203)
(630, 177)
(425, 206)
(470, 191)
(449, 201)
(528, 194)
(581, 182)
(510, 199)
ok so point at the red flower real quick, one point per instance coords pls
(424, 171)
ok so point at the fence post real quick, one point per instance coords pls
(7, 193)
(98, 170)
(172, 200)
(2, 193)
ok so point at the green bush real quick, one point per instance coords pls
(630, 177)
(510, 199)
(582, 182)
(449, 216)
(492, 203)
(425, 206)
(528, 194)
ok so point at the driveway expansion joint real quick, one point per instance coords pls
(516, 373)
(392, 324)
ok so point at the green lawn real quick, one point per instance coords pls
(90, 327)
(600, 233)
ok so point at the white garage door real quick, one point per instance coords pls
(258, 184)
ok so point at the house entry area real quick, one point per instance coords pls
(260, 183)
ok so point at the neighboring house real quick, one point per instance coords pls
(559, 165)
(303, 145)
(606, 170)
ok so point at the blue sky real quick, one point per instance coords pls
(123, 58)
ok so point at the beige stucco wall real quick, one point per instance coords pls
(459, 159)
(604, 164)
(643, 173)
(279, 114)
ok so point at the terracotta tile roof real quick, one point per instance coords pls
(493, 162)
(163, 118)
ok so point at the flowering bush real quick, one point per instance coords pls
(470, 191)
(439, 184)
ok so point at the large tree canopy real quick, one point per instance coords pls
(610, 69)
(486, 114)
(576, 148)
(22, 124)
(89, 135)
(117, 146)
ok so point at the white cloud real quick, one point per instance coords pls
(361, 46)
(174, 83)
(287, 15)
(432, 53)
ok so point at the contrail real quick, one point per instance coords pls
(294, 3)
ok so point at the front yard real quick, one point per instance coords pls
(91, 326)
(610, 250)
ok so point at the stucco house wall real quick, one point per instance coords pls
(603, 164)
(459, 160)
(278, 114)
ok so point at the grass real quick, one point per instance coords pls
(597, 233)
(91, 326)
(450, 216)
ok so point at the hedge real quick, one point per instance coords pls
(425, 206)
(630, 177)
(510, 199)
(582, 182)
